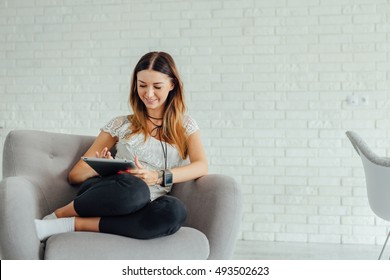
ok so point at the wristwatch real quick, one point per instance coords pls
(167, 178)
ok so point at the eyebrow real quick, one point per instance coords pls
(153, 83)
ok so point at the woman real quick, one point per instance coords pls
(161, 139)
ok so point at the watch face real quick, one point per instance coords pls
(168, 178)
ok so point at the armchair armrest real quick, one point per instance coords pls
(214, 208)
(20, 203)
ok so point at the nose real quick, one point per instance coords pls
(149, 92)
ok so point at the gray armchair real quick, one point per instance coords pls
(35, 169)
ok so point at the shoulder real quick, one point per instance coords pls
(118, 122)
(118, 126)
(190, 124)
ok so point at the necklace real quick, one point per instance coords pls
(153, 118)
(157, 128)
(157, 131)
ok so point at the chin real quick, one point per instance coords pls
(153, 107)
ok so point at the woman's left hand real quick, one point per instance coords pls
(149, 176)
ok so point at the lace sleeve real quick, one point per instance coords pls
(117, 127)
(190, 125)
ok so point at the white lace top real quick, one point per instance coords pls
(150, 153)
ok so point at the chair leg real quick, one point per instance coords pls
(384, 246)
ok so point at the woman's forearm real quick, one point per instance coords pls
(80, 173)
(189, 172)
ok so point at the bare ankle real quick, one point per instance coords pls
(62, 213)
(66, 211)
(58, 213)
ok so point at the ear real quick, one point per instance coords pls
(172, 86)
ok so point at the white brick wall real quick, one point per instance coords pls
(266, 80)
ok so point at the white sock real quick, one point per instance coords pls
(50, 216)
(47, 228)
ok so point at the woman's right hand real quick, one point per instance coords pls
(105, 153)
(100, 148)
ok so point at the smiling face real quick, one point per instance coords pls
(153, 88)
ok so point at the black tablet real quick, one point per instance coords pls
(107, 167)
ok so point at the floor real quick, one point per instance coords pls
(257, 250)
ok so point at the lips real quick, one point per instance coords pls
(150, 101)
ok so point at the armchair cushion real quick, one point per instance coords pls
(187, 243)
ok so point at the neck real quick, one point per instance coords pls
(154, 118)
(154, 115)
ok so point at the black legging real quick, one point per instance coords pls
(123, 203)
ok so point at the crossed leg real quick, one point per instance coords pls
(80, 223)
(118, 205)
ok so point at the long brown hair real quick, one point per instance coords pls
(173, 131)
